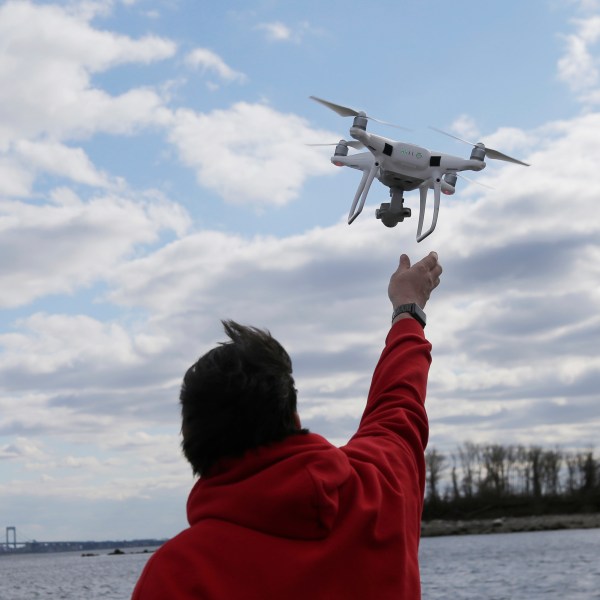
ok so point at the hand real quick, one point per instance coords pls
(414, 284)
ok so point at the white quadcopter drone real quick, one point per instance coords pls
(402, 167)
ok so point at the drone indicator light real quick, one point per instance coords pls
(337, 163)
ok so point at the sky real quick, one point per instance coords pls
(156, 177)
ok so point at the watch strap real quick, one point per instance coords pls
(414, 310)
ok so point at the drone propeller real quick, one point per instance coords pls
(352, 143)
(489, 152)
(489, 187)
(344, 111)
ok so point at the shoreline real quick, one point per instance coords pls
(439, 527)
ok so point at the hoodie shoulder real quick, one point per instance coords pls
(289, 489)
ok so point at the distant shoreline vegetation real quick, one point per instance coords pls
(495, 481)
(439, 527)
(77, 546)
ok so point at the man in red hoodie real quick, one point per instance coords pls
(280, 513)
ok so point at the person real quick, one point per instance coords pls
(280, 513)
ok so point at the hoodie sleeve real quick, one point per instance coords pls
(393, 431)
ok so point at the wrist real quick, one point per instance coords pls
(411, 309)
(400, 317)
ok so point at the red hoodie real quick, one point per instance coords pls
(303, 519)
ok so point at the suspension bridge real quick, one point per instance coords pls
(14, 544)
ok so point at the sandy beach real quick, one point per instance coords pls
(510, 524)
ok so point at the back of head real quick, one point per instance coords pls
(238, 396)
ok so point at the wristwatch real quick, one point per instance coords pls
(413, 309)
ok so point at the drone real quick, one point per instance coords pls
(403, 167)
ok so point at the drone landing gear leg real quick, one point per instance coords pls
(362, 191)
(393, 212)
(437, 185)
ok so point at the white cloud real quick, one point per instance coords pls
(578, 67)
(15, 179)
(42, 349)
(21, 448)
(465, 126)
(58, 159)
(250, 153)
(208, 61)
(75, 242)
(59, 52)
(276, 31)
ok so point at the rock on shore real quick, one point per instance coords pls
(438, 527)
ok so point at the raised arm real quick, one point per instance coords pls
(393, 430)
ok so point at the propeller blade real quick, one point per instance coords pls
(461, 176)
(451, 135)
(388, 124)
(344, 111)
(489, 152)
(352, 143)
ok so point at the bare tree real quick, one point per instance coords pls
(574, 479)
(534, 456)
(550, 466)
(468, 455)
(588, 468)
(435, 464)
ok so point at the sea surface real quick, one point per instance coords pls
(547, 565)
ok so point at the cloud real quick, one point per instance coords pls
(466, 127)
(208, 61)
(76, 242)
(59, 52)
(249, 153)
(276, 31)
(578, 67)
(16, 180)
(58, 159)
(20, 448)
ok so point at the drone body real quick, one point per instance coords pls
(402, 167)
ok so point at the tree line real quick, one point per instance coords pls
(493, 480)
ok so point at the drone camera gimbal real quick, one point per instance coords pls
(393, 212)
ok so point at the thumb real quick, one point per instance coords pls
(404, 263)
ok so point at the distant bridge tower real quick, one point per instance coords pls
(12, 530)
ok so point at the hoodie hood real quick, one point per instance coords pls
(287, 489)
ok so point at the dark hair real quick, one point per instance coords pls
(238, 396)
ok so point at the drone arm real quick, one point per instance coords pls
(362, 192)
(437, 188)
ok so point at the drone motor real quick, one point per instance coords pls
(478, 152)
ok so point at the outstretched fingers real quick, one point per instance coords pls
(432, 271)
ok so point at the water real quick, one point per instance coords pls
(70, 576)
(549, 565)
